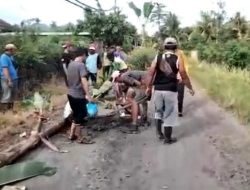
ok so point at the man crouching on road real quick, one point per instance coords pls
(130, 88)
(163, 75)
(78, 95)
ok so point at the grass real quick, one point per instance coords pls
(230, 88)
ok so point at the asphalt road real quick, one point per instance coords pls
(211, 154)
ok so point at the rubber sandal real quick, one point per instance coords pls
(72, 137)
(85, 140)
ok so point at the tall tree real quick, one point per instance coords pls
(159, 14)
(219, 18)
(239, 24)
(144, 14)
(53, 25)
(171, 26)
(207, 25)
(111, 29)
(70, 27)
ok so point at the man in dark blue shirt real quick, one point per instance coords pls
(8, 75)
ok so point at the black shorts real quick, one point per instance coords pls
(92, 76)
(79, 108)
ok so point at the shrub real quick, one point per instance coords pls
(141, 58)
(233, 53)
(237, 54)
(230, 88)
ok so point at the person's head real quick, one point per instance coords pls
(67, 46)
(80, 54)
(170, 44)
(10, 49)
(118, 48)
(115, 75)
(111, 55)
(92, 49)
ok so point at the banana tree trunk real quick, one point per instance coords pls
(143, 35)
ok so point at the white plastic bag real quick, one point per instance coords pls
(67, 111)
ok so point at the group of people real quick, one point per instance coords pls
(163, 82)
(81, 67)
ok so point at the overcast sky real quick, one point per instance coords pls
(60, 11)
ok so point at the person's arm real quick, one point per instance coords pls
(5, 62)
(184, 59)
(130, 80)
(86, 88)
(99, 62)
(185, 77)
(151, 74)
(84, 81)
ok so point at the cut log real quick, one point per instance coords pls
(11, 154)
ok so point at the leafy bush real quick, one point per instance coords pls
(212, 53)
(232, 53)
(37, 59)
(237, 54)
(141, 58)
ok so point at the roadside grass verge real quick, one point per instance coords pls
(231, 88)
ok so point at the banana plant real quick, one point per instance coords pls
(143, 14)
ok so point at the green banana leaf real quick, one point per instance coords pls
(136, 9)
(147, 9)
(21, 171)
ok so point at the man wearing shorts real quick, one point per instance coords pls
(78, 95)
(131, 84)
(163, 75)
(8, 76)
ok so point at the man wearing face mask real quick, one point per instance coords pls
(8, 76)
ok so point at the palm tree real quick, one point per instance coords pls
(239, 25)
(207, 26)
(159, 14)
(53, 25)
(143, 14)
(171, 26)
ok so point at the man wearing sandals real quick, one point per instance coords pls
(129, 90)
(78, 95)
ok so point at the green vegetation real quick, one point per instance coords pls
(230, 88)
(112, 29)
(141, 58)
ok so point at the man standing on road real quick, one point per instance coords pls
(181, 85)
(9, 76)
(93, 63)
(78, 95)
(163, 75)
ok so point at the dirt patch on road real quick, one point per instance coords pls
(15, 127)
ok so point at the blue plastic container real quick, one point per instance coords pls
(92, 109)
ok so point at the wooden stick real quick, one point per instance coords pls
(12, 153)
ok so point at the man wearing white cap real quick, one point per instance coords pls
(93, 63)
(163, 76)
(8, 76)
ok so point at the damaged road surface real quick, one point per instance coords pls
(212, 153)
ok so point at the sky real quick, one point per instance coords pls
(62, 12)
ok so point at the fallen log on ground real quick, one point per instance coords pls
(11, 154)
